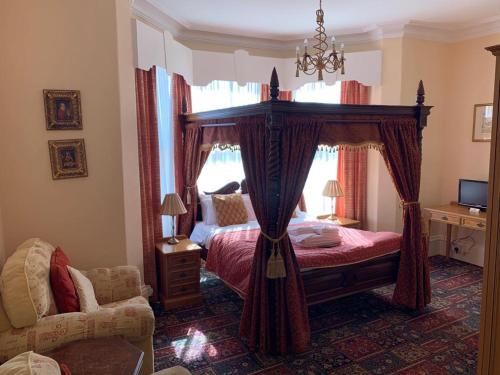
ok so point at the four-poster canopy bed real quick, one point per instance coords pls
(278, 140)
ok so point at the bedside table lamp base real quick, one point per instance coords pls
(172, 240)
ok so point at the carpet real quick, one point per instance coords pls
(356, 335)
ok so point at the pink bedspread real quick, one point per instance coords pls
(230, 255)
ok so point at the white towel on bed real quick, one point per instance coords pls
(315, 236)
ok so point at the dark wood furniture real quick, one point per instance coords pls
(328, 283)
(111, 355)
(342, 221)
(455, 215)
(179, 272)
(342, 124)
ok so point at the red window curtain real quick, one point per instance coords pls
(403, 159)
(275, 317)
(149, 170)
(265, 94)
(352, 164)
(180, 91)
(194, 159)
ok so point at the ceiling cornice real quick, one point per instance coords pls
(149, 12)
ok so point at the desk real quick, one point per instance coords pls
(455, 215)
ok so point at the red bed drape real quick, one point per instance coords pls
(403, 159)
(194, 159)
(275, 317)
(180, 91)
(352, 164)
(149, 171)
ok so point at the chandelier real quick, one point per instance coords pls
(319, 61)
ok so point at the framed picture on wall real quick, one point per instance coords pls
(63, 109)
(68, 159)
(483, 118)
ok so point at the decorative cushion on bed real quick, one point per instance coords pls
(229, 209)
(85, 291)
(63, 287)
(207, 210)
(25, 285)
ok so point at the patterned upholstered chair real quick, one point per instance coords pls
(29, 318)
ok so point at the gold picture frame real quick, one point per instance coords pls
(63, 109)
(68, 159)
(483, 118)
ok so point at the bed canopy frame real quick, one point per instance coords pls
(278, 140)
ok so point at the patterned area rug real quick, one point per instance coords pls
(355, 335)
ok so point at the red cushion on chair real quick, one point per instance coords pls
(64, 369)
(62, 286)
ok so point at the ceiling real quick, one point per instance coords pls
(294, 19)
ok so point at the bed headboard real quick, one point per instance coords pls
(229, 188)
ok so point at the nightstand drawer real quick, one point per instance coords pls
(184, 260)
(182, 276)
(179, 290)
(474, 223)
(445, 218)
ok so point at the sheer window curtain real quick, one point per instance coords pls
(226, 165)
(166, 140)
(324, 166)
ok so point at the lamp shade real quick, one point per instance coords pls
(172, 205)
(333, 189)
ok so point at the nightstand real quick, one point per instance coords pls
(179, 271)
(342, 221)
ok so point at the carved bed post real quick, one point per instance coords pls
(421, 113)
(274, 123)
(274, 86)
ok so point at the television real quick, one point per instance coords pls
(472, 193)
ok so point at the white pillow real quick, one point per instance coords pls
(249, 207)
(84, 290)
(207, 210)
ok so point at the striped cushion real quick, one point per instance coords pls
(229, 209)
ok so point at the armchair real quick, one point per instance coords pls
(29, 318)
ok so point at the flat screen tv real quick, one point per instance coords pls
(472, 193)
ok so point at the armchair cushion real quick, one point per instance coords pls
(4, 319)
(30, 363)
(85, 291)
(133, 321)
(24, 283)
(62, 285)
(115, 284)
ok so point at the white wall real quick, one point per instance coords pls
(57, 44)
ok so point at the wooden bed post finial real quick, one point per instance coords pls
(184, 105)
(420, 93)
(274, 85)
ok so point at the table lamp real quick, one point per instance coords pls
(172, 206)
(333, 190)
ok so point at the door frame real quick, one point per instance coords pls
(489, 342)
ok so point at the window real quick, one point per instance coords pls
(222, 166)
(223, 94)
(324, 166)
(166, 139)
